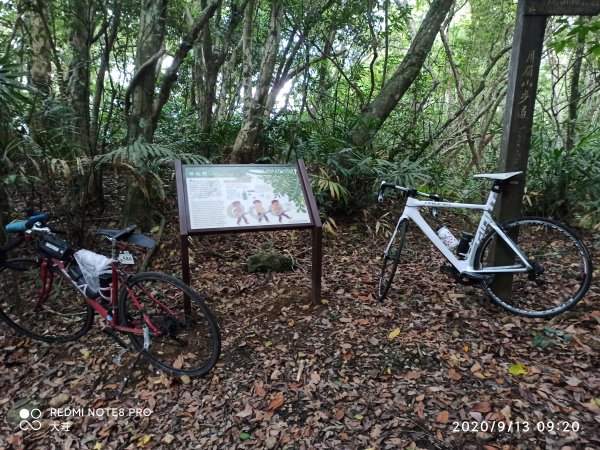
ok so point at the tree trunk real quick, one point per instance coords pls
(149, 52)
(139, 100)
(85, 187)
(40, 63)
(575, 94)
(475, 157)
(254, 105)
(184, 47)
(564, 207)
(375, 114)
(211, 51)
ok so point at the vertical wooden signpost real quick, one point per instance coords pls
(243, 198)
(524, 69)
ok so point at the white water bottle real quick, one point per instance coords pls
(447, 237)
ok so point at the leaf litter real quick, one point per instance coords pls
(348, 373)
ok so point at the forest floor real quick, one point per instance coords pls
(428, 368)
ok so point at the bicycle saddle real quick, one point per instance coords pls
(498, 176)
(131, 238)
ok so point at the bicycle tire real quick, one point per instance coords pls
(63, 315)
(187, 347)
(391, 257)
(562, 271)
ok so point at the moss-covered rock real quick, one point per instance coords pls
(269, 262)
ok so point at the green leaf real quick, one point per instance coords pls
(244, 436)
(358, 416)
(540, 341)
(517, 369)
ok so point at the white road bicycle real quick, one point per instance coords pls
(531, 266)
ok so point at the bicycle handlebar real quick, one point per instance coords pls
(20, 226)
(410, 191)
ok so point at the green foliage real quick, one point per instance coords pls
(344, 178)
(283, 181)
(144, 162)
(565, 184)
(569, 31)
(11, 96)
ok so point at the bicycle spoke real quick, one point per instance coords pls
(560, 275)
(175, 342)
(51, 312)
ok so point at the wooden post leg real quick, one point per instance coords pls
(185, 272)
(317, 264)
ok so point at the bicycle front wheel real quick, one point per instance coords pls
(561, 274)
(180, 336)
(47, 308)
(391, 257)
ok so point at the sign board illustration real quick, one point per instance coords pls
(226, 197)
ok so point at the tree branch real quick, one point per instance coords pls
(184, 48)
(138, 76)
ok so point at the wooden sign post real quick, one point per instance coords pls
(524, 69)
(243, 198)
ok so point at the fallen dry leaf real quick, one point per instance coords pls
(442, 417)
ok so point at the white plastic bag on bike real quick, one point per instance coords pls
(92, 265)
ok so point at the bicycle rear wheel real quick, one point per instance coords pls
(391, 256)
(562, 268)
(53, 311)
(184, 341)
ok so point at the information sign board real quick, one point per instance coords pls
(243, 198)
(225, 197)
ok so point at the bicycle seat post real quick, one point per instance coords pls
(113, 249)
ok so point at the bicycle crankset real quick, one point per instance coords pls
(461, 279)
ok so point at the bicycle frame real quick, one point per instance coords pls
(111, 317)
(465, 266)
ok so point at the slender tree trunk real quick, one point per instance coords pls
(139, 101)
(475, 157)
(254, 105)
(184, 47)
(41, 67)
(379, 109)
(227, 102)
(565, 208)
(109, 41)
(575, 94)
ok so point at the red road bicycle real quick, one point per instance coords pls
(46, 298)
